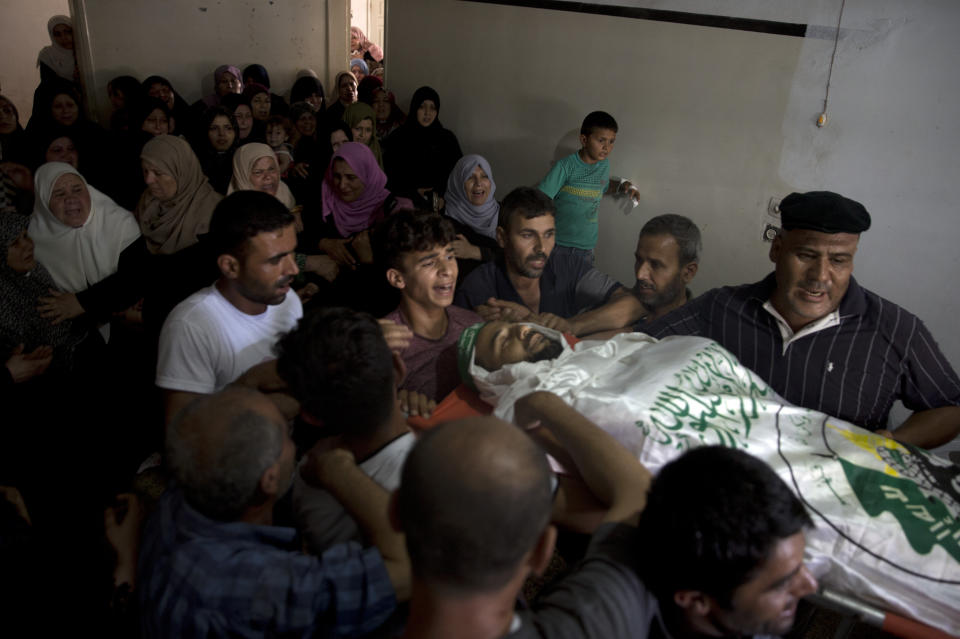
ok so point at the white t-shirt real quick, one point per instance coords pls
(322, 520)
(207, 342)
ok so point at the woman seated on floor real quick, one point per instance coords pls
(39, 344)
(215, 143)
(355, 198)
(157, 86)
(474, 211)
(173, 212)
(82, 238)
(255, 168)
(362, 122)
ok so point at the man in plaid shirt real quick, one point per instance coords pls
(211, 562)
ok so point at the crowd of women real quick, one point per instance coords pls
(102, 229)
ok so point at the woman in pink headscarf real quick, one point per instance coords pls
(359, 44)
(355, 197)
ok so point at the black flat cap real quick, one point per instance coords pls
(823, 211)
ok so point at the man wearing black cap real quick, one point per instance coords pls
(822, 341)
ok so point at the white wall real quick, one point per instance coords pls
(23, 32)
(186, 40)
(713, 122)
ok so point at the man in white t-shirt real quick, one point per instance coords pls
(219, 332)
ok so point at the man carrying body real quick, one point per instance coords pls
(474, 503)
(213, 565)
(562, 291)
(667, 258)
(337, 365)
(416, 252)
(216, 334)
(821, 340)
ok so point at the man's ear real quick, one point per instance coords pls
(776, 247)
(501, 237)
(395, 278)
(269, 480)
(229, 266)
(583, 140)
(693, 602)
(543, 551)
(399, 369)
(688, 271)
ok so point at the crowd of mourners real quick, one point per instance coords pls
(182, 286)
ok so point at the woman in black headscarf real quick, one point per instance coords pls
(257, 74)
(157, 86)
(419, 156)
(309, 89)
(214, 143)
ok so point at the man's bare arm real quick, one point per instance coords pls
(337, 471)
(622, 310)
(930, 428)
(611, 472)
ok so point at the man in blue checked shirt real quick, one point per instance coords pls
(213, 565)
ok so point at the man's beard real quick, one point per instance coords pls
(551, 349)
(659, 299)
(532, 273)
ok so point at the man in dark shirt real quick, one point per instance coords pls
(561, 291)
(666, 261)
(821, 340)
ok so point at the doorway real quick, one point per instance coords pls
(368, 16)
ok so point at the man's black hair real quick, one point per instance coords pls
(684, 232)
(712, 518)
(597, 120)
(407, 232)
(243, 215)
(337, 364)
(526, 201)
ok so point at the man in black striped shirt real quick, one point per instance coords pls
(819, 338)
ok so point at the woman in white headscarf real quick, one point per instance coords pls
(58, 59)
(80, 235)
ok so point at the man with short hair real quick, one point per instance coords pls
(725, 541)
(562, 291)
(819, 338)
(416, 252)
(219, 332)
(474, 504)
(212, 564)
(667, 258)
(338, 366)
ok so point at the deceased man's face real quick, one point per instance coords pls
(500, 343)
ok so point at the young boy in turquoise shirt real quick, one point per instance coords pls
(577, 182)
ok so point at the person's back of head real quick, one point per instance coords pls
(713, 517)
(243, 215)
(337, 364)
(682, 229)
(219, 447)
(525, 201)
(597, 120)
(474, 499)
